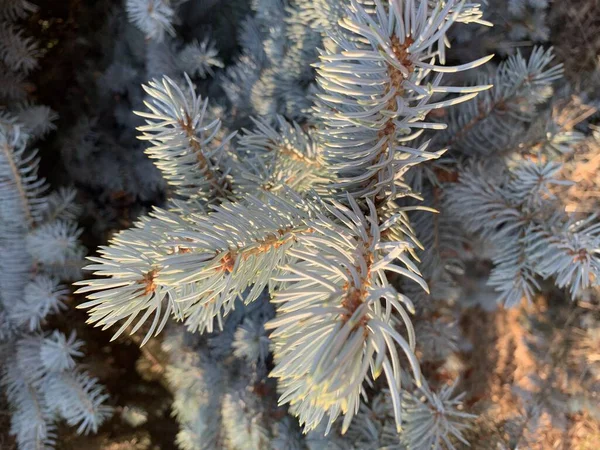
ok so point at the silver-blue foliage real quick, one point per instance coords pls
(323, 206)
(39, 248)
(288, 210)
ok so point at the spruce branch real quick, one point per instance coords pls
(37, 120)
(42, 296)
(274, 159)
(80, 400)
(434, 419)
(58, 352)
(532, 233)
(18, 52)
(153, 17)
(262, 217)
(238, 246)
(337, 316)
(377, 91)
(38, 241)
(571, 256)
(55, 242)
(132, 263)
(18, 175)
(198, 58)
(251, 341)
(489, 124)
(197, 267)
(32, 417)
(183, 141)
